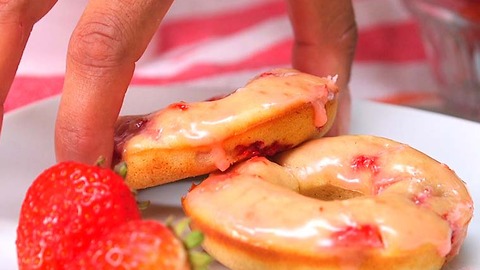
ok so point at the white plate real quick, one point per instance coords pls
(26, 149)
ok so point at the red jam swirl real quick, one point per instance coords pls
(259, 148)
(125, 128)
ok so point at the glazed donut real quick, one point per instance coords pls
(347, 202)
(275, 111)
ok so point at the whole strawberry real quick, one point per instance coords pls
(145, 244)
(66, 208)
(140, 244)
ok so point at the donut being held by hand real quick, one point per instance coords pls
(347, 202)
(273, 112)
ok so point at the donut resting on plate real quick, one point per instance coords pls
(275, 111)
(347, 202)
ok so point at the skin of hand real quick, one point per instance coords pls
(112, 35)
(17, 18)
(325, 38)
(108, 40)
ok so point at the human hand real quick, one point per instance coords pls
(105, 45)
(109, 38)
(17, 18)
(325, 37)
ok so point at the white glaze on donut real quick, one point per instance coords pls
(204, 123)
(401, 207)
(273, 112)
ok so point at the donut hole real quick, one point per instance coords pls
(330, 193)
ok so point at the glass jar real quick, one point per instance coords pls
(451, 34)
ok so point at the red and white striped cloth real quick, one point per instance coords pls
(217, 42)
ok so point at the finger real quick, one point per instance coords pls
(17, 18)
(109, 38)
(343, 116)
(325, 36)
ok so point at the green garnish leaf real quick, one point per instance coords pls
(194, 239)
(199, 260)
(143, 205)
(121, 169)
(181, 227)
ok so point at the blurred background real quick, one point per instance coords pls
(223, 43)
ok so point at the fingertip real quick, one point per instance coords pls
(82, 142)
(109, 38)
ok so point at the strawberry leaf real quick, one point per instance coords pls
(121, 169)
(143, 205)
(199, 260)
(193, 239)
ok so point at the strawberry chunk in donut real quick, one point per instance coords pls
(347, 202)
(361, 235)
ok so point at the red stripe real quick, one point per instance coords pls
(279, 54)
(188, 31)
(390, 43)
(395, 43)
(409, 97)
(27, 89)
(387, 43)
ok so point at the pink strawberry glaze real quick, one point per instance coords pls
(359, 235)
(456, 220)
(179, 105)
(259, 148)
(218, 97)
(406, 184)
(363, 162)
(266, 74)
(126, 128)
(210, 123)
(423, 196)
